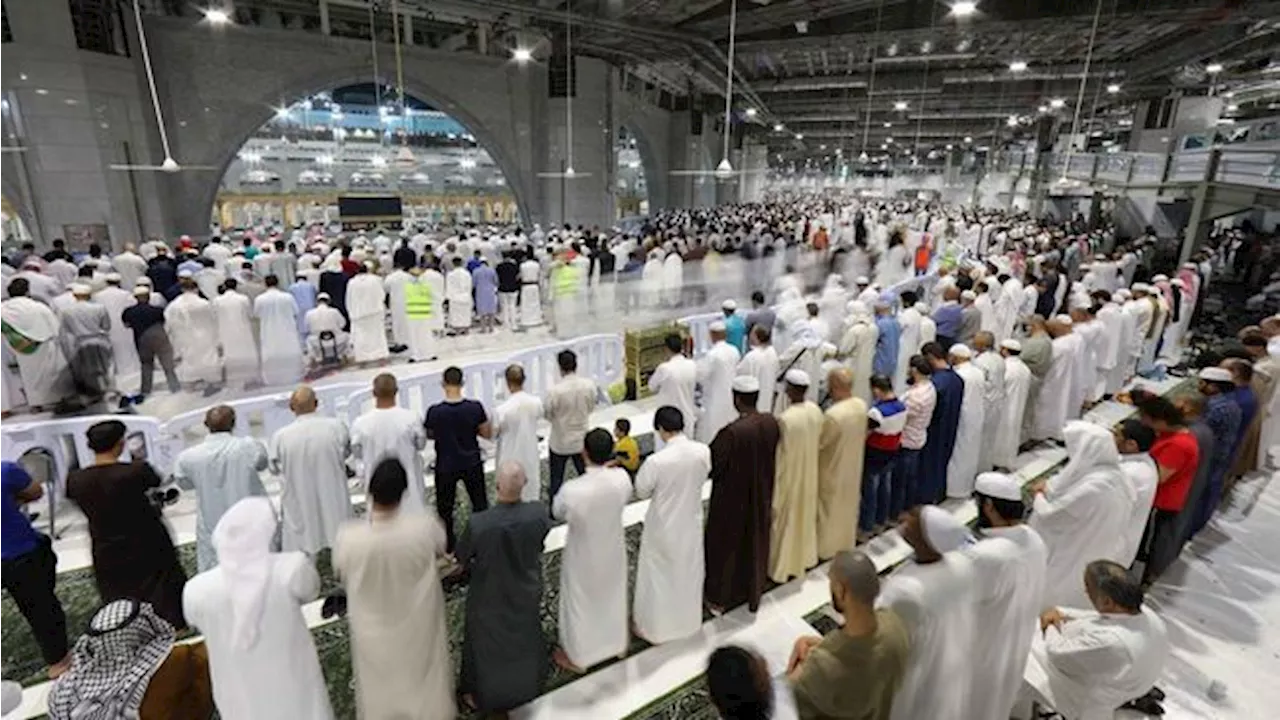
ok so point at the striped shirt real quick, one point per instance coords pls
(919, 400)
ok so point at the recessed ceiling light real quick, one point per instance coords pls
(777, 127)
(950, 146)
(1017, 66)
(1011, 121)
(900, 105)
(282, 113)
(799, 136)
(1232, 107)
(888, 124)
(1113, 88)
(1043, 108)
(1057, 103)
(41, 91)
(522, 55)
(964, 8)
(217, 16)
(752, 112)
(968, 138)
(1213, 68)
(889, 140)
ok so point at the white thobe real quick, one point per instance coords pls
(515, 422)
(962, 468)
(1094, 663)
(928, 330)
(988, 320)
(279, 675)
(1007, 308)
(458, 291)
(716, 370)
(1141, 473)
(310, 456)
(669, 573)
(235, 336)
(1017, 384)
(277, 314)
(858, 346)
(593, 572)
(45, 379)
(761, 363)
(673, 383)
(651, 278)
(1010, 564)
(936, 604)
(1093, 344)
(1128, 350)
(530, 295)
(799, 356)
(908, 344)
(394, 285)
(193, 327)
(366, 309)
(435, 281)
(219, 254)
(1051, 403)
(223, 470)
(994, 406)
(392, 432)
(123, 349)
(130, 266)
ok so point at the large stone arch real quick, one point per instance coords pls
(219, 87)
(650, 126)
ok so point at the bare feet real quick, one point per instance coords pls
(60, 667)
(714, 609)
(562, 661)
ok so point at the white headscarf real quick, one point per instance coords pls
(1089, 447)
(242, 540)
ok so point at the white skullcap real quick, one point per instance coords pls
(968, 295)
(716, 326)
(114, 277)
(1160, 278)
(323, 296)
(997, 485)
(142, 290)
(1013, 345)
(143, 281)
(828, 349)
(862, 280)
(1141, 287)
(1064, 319)
(797, 377)
(746, 384)
(79, 289)
(941, 530)
(185, 274)
(960, 350)
(730, 304)
(1216, 374)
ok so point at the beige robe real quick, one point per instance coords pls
(841, 449)
(793, 536)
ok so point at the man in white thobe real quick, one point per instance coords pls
(1134, 441)
(804, 353)
(1082, 512)
(394, 285)
(458, 292)
(236, 337)
(389, 430)
(1017, 385)
(1129, 346)
(909, 319)
(193, 327)
(761, 363)
(1008, 308)
(858, 348)
(593, 574)
(995, 406)
(31, 333)
(223, 470)
(515, 426)
(325, 318)
(530, 293)
(1111, 320)
(962, 468)
(934, 595)
(277, 314)
(1085, 663)
(1010, 564)
(716, 370)
(215, 251)
(366, 307)
(673, 382)
(249, 609)
(116, 301)
(310, 456)
(395, 605)
(1051, 406)
(669, 573)
(130, 266)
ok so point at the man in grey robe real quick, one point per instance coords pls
(85, 337)
(504, 658)
(1037, 352)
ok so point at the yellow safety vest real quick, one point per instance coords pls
(564, 281)
(417, 300)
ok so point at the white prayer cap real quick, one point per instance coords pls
(997, 485)
(1013, 345)
(716, 327)
(729, 304)
(80, 289)
(960, 350)
(1160, 278)
(142, 291)
(1216, 374)
(922, 308)
(144, 280)
(828, 350)
(323, 296)
(797, 377)
(968, 295)
(941, 529)
(1141, 287)
(746, 384)
(185, 274)
(1064, 319)
(862, 280)
(114, 277)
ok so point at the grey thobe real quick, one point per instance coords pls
(1037, 352)
(223, 470)
(86, 342)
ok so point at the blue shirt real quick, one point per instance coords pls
(735, 329)
(1222, 416)
(885, 361)
(1248, 402)
(949, 317)
(17, 537)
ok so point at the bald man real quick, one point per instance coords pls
(223, 470)
(504, 659)
(389, 430)
(841, 448)
(856, 669)
(310, 455)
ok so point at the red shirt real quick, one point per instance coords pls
(1177, 451)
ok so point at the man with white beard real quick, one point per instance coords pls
(673, 382)
(277, 314)
(761, 363)
(457, 288)
(962, 468)
(310, 456)
(116, 301)
(934, 595)
(366, 303)
(515, 427)
(390, 431)
(1083, 512)
(909, 320)
(235, 336)
(994, 407)
(670, 571)
(1010, 562)
(1017, 386)
(716, 370)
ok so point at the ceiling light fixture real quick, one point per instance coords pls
(522, 55)
(1232, 107)
(964, 8)
(1057, 103)
(1043, 108)
(1113, 88)
(1018, 66)
(900, 105)
(888, 124)
(752, 112)
(1011, 121)
(216, 16)
(968, 138)
(1213, 68)
(777, 127)
(799, 136)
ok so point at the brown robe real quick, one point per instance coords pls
(736, 545)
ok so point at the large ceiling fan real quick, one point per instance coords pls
(168, 165)
(570, 76)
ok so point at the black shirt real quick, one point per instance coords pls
(508, 276)
(453, 426)
(404, 257)
(140, 318)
